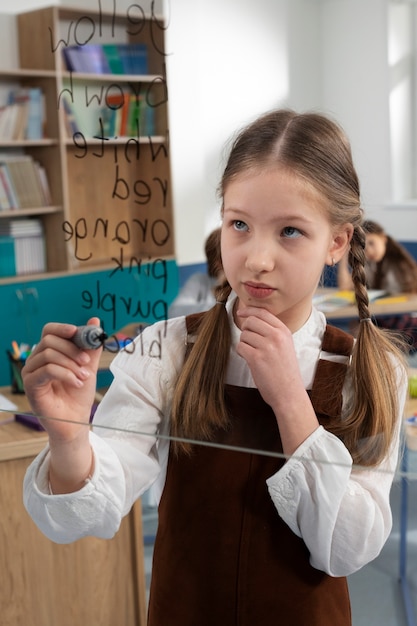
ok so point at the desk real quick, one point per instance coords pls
(403, 303)
(91, 581)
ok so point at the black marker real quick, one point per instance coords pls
(89, 337)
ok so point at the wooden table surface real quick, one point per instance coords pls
(17, 440)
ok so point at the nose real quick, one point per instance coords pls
(260, 257)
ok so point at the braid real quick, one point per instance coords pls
(357, 263)
(370, 423)
(198, 405)
(222, 292)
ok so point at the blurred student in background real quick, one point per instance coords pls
(390, 267)
(197, 293)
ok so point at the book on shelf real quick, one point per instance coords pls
(24, 181)
(18, 103)
(88, 59)
(71, 125)
(44, 183)
(117, 58)
(36, 114)
(137, 58)
(115, 115)
(141, 117)
(8, 120)
(4, 196)
(23, 244)
(13, 202)
(22, 117)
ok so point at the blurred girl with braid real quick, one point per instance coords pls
(388, 266)
(267, 533)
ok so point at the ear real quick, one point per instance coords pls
(339, 244)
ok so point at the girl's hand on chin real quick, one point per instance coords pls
(267, 346)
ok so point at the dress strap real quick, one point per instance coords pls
(326, 394)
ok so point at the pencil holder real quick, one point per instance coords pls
(16, 366)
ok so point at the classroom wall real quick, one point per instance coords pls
(229, 61)
(328, 55)
(369, 85)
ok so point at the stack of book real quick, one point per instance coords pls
(127, 115)
(123, 115)
(127, 58)
(22, 247)
(23, 183)
(22, 117)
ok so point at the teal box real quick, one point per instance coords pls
(7, 257)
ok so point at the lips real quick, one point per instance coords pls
(258, 290)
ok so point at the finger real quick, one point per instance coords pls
(258, 313)
(60, 345)
(66, 331)
(54, 373)
(54, 349)
(95, 355)
(49, 359)
(260, 327)
(94, 321)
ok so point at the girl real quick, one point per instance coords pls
(389, 266)
(261, 537)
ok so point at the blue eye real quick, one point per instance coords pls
(290, 232)
(239, 225)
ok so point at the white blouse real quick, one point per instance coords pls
(341, 512)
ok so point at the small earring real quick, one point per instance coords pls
(333, 262)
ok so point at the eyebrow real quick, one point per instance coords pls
(281, 218)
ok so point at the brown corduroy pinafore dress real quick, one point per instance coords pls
(223, 556)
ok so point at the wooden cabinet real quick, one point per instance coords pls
(92, 581)
(110, 195)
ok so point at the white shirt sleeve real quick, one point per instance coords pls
(342, 512)
(93, 510)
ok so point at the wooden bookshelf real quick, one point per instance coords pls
(110, 196)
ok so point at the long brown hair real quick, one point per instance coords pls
(396, 259)
(315, 148)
